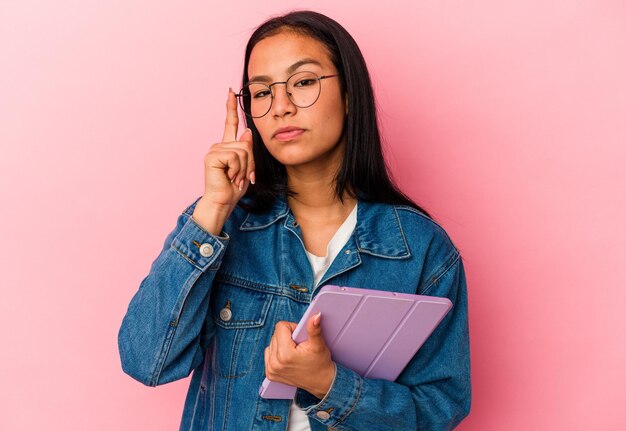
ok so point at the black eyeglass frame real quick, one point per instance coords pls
(240, 95)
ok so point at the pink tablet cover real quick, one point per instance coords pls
(373, 332)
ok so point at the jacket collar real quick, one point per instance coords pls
(378, 229)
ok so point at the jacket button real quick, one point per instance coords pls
(206, 249)
(226, 314)
(322, 415)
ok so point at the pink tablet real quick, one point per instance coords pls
(373, 332)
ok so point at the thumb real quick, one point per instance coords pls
(314, 328)
(246, 136)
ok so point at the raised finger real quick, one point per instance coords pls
(232, 120)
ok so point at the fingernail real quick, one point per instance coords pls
(232, 179)
(241, 184)
(230, 89)
(316, 319)
(252, 178)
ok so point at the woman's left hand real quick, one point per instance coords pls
(307, 365)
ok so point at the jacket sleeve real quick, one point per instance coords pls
(162, 335)
(432, 393)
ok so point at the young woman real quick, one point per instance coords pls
(301, 199)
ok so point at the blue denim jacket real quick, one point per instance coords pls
(257, 269)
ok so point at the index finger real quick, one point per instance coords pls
(283, 332)
(232, 119)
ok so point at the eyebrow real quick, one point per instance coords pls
(290, 69)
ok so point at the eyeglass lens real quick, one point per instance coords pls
(303, 89)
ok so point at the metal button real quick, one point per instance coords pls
(322, 415)
(226, 314)
(206, 249)
(299, 288)
(348, 252)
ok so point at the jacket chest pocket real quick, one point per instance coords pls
(240, 316)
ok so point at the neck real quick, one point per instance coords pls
(316, 197)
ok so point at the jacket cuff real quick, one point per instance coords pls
(339, 401)
(201, 248)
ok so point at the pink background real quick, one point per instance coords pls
(507, 122)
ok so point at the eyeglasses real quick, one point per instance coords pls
(303, 89)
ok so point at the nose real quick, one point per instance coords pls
(281, 102)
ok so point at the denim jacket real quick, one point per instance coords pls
(209, 305)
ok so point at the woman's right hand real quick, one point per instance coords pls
(228, 171)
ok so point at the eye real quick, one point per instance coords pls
(304, 82)
(261, 94)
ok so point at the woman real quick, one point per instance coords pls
(301, 199)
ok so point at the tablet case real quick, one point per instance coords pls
(373, 332)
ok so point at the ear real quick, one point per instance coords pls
(346, 102)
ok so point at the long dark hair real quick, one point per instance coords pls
(363, 173)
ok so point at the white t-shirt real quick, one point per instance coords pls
(298, 420)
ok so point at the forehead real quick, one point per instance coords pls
(275, 56)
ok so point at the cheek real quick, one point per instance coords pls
(332, 124)
(263, 129)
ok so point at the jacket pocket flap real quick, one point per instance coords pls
(238, 307)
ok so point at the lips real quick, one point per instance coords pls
(288, 133)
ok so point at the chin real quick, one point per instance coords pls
(293, 161)
(299, 155)
(291, 156)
